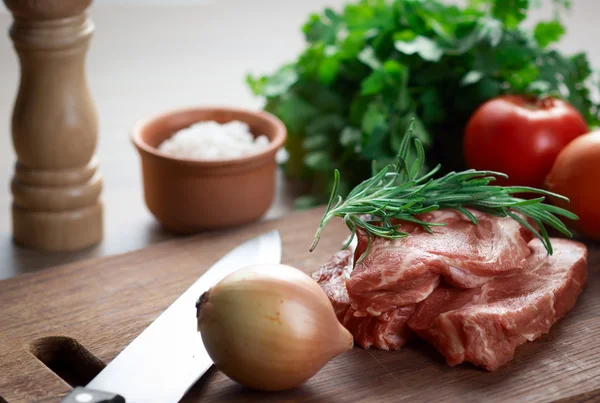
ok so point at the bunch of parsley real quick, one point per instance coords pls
(368, 70)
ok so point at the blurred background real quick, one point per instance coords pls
(148, 56)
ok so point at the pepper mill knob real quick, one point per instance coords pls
(56, 186)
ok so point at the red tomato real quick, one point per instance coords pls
(520, 136)
(576, 175)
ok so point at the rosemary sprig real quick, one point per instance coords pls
(399, 192)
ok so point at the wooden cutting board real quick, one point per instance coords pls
(59, 327)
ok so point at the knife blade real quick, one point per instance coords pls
(168, 357)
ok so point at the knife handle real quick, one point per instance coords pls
(83, 395)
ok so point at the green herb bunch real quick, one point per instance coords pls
(371, 68)
(400, 192)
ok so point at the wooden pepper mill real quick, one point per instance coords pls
(57, 185)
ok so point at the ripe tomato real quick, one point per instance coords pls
(576, 175)
(520, 136)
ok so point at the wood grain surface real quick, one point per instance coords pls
(78, 317)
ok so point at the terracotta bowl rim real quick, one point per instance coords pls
(275, 143)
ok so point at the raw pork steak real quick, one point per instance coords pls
(387, 331)
(332, 276)
(405, 271)
(484, 325)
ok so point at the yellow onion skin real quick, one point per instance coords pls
(270, 327)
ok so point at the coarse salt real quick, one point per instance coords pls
(210, 140)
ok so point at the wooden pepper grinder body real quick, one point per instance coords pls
(56, 187)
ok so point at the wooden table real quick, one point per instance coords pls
(147, 59)
(98, 306)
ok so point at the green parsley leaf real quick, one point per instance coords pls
(350, 136)
(317, 160)
(372, 66)
(368, 57)
(510, 12)
(424, 47)
(471, 77)
(546, 33)
(374, 83)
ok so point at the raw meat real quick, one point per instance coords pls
(332, 276)
(387, 331)
(484, 325)
(405, 271)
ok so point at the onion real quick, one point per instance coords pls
(270, 327)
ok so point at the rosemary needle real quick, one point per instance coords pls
(399, 192)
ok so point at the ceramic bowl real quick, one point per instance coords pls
(188, 196)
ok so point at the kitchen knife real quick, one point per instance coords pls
(168, 357)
